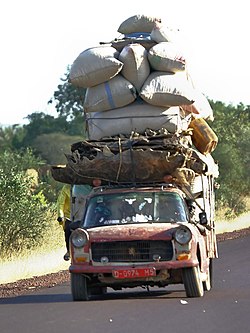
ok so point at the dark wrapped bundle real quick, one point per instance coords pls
(127, 166)
(64, 174)
(139, 159)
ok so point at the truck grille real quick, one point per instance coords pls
(133, 251)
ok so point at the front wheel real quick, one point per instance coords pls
(79, 287)
(192, 281)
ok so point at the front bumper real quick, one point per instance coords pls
(108, 269)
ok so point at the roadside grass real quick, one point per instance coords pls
(241, 222)
(45, 259)
(223, 224)
(49, 257)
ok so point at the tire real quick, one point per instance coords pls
(79, 287)
(211, 271)
(207, 285)
(98, 290)
(192, 282)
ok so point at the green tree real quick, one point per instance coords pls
(10, 137)
(231, 125)
(41, 124)
(69, 103)
(68, 99)
(53, 147)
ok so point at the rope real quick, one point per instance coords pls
(120, 161)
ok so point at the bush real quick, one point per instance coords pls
(23, 214)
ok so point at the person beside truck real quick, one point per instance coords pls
(63, 212)
(70, 209)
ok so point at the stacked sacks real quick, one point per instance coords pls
(200, 108)
(168, 46)
(136, 87)
(141, 107)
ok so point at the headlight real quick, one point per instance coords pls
(183, 235)
(79, 238)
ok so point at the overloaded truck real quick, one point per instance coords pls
(149, 219)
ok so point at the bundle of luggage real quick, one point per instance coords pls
(139, 158)
(136, 84)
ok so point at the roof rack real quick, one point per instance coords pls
(135, 185)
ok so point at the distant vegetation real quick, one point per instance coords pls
(25, 210)
(232, 126)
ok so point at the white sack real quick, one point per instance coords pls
(166, 57)
(138, 23)
(167, 89)
(162, 33)
(94, 66)
(137, 116)
(135, 64)
(201, 107)
(111, 94)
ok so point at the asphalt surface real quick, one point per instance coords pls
(224, 309)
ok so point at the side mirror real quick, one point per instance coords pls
(216, 186)
(203, 218)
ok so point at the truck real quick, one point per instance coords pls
(145, 233)
(149, 219)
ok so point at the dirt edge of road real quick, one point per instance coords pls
(27, 286)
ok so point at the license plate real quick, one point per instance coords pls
(133, 273)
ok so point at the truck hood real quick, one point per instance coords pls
(140, 231)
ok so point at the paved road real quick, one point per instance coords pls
(225, 309)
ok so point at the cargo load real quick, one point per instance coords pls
(134, 91)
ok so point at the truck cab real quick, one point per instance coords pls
(144, 235)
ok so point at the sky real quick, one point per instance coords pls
(41, 38)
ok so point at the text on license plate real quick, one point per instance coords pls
(133, 273)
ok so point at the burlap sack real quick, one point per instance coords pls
(94, 66)
(161, 33)
(166, 57)
(201, 107)
(111, 94)
(167, 89)
(138, 23)
(135, 64)
(137, 116)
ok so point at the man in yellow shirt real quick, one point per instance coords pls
(63, 212)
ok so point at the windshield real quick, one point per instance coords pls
(135, 207)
